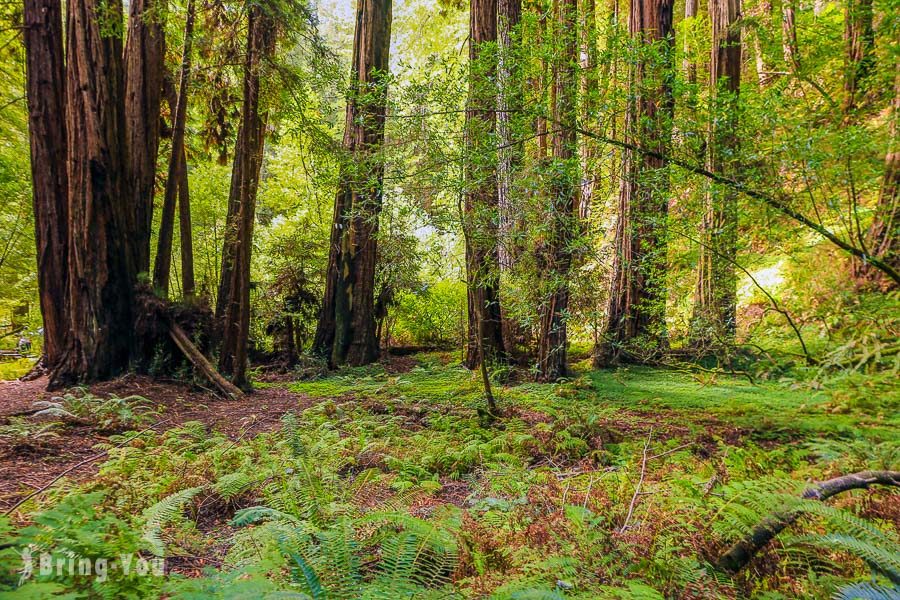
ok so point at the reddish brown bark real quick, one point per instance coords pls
(346, 329)
(555, 259)
(45, 72)
(175, 181)
(144, 61)
(235, 302)
(715, 315)
(635, 328)
(481, 201)
(859, 37)
(101, 275)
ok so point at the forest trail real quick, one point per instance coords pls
(29, 466)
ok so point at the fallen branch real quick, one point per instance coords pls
(637, 489)
(199, 361)
(740, 553)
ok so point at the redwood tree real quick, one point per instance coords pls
(176, 181)
(346, 328)
(481, 201)
(101, 273)
(555, 258)
(45, 72)
(234, 297)
(635, 328)
(144, 68)
(715, 301)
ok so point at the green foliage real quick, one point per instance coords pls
(113, 412)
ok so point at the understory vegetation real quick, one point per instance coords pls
(612, 484)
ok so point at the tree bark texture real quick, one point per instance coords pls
(635, 328)
(859, 37)
(346, 329)
(46, 92)
(45, 73)
(555, 258)
(175, 183)
(481, 201)
(715, 303)
(101, 273)
(144, 68)
(234, 300)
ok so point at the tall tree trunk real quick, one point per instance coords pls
(46, 92)
(715, 316)
(234, 301)
(144, 68)
(789, 35)
(859, 36)
(177, 167)
(590, 89)
(636, 328)
(481, 202)
(556, 257)
(883, 233)
(346, 330)
(186, 233)
(101, 274)
(509, 159)
(688, 64)
(764, 72)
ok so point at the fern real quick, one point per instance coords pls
(883, 559)
(161, 513)
(867, 591)
(233, 485)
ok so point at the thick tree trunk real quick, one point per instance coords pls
(101, 274)
(481, 202)
(175, 181)
(234, 300)
(46, 92)
(636, 328)
(556, 257)
(859, 36)
(715, 315)
(346, 330)
(144, 64)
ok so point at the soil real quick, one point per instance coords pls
(25, 468)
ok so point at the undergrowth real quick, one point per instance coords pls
(614, 484)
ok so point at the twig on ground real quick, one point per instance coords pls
(82, 463)
(637, 489)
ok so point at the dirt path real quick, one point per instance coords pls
(29, 466)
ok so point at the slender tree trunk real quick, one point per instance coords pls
(234, 303)
(185, 229)
(763, 69)
(509, 163)
(481, 202)
(883, 233)
(636, 328)
(346, 330)
(556, 257)
(177, 168)
(859, 36)
(101, 274)
(144, 68)
(789, 35)
(688, 64)
(46, 92)
(715, 316)
(590, 89)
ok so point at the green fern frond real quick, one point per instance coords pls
(161, 513)
(233, 485)
(867, 591)
(885, 560)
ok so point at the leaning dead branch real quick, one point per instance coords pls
(743, 551)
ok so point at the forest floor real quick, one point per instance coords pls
(613, 483)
